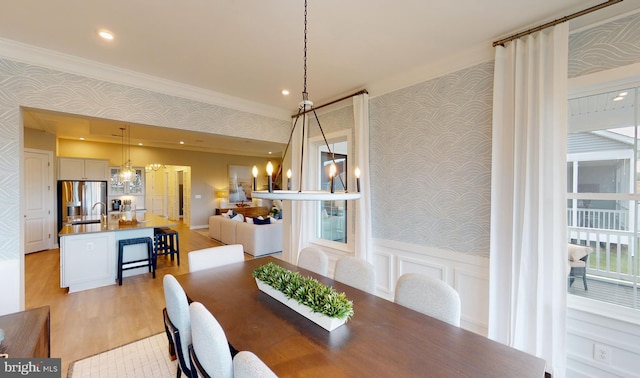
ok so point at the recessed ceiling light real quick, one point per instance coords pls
(285, 92)
(140, 144)
(269, 152)
(81, 138)
(623, 94)
(619, 98)
(181, 142)
(106, 35)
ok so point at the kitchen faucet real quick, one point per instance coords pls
(104, 210)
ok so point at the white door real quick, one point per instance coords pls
(38, 214)
(186, 182)
(173, 195)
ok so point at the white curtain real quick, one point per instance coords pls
(363, 244)
(301, 223)
(528, 256)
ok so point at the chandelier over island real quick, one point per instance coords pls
(127, 172)
(304, 107)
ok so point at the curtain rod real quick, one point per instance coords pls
(556, 22)
(364, 91)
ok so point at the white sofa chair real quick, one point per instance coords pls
(260, 239)
(228, 231)
(257, 239)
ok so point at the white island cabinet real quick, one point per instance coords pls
(87, 260)
(89, 252)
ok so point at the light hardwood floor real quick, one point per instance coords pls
(92, 321)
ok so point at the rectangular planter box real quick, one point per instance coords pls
(320, 319)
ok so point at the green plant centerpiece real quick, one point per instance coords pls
(307, 291)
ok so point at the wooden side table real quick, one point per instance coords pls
(27, 334)
(251, 212)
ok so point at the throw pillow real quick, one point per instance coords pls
(248, 220)
(576, 252)
(238, 218)
(261, 221)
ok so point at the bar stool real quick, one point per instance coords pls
(134, 264)
(166, 243)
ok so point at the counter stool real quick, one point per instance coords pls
(133, 264)
(166, 243)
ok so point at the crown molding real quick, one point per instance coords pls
(71, 64)
(482, 53)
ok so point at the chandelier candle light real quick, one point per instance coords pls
(255, 178)
(270, 174)
(304, 107)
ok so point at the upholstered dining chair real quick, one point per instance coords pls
(210, 354)
(177, 322)
(314, 259)
(429, 296)
(215, 256)
(357, 273)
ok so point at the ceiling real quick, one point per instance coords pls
(67, 126)
(253, 49)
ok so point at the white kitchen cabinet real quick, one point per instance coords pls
(82, 169)
(133, 187)
(87, 260)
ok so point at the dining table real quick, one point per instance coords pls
(382, 338)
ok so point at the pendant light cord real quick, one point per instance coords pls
(305, 95)
(302, 111)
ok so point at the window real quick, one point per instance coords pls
(333, 216)
(603, 194)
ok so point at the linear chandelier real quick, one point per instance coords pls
(304, 107)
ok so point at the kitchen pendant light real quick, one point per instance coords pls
(304, 107)
(126, 171)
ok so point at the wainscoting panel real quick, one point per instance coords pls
(469, 275)
(431, 269)
(474, 312)
(598, 345)
(384, 263)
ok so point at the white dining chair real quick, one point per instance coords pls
(429, 296)
(215, 256)
(357, 273)
(177, 322)
(210, 354)
(314, 259)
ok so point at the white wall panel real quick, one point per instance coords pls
(469, 275)
(384, 273)
(473, 288)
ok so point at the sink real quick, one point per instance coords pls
(84, 221)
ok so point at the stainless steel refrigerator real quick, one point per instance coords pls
(77, 202)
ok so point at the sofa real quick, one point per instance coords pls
(257, 239)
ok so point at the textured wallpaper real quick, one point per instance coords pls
(431, 162)
(611, 45)
(28, 85)
(430, 143)
(334, 121)
(431, 146)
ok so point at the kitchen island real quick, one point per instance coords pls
(89, 252)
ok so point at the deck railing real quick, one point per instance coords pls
(599, 218)
(612, 238)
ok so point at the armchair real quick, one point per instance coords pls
(578, 260)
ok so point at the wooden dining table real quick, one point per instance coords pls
(382, 339)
